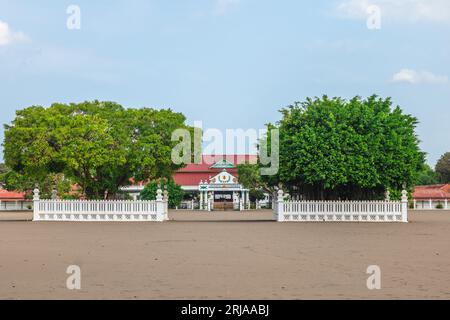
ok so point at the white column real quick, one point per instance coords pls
(160, 205)
(201, 200)
(431, 204)
(208, 201)
(36, 204)
(247, 199)
(404, 206)
(166, 205)
(280, 206)
(446, 204)
(241, 201)
(415, 204)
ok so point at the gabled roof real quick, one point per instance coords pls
(438, 191)
(210, 160)
(192, 174)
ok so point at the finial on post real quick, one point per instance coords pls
(159, 194)
(36, 193)
(404, 195)
(54, 193)
(280, 195)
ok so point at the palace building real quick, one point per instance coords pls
(211, 184)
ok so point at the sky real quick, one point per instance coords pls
(229, 63)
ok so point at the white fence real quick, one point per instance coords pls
(100, 210)
(341, 211)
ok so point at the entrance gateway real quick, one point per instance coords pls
(211, 185)
(223, 192)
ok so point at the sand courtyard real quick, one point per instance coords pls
(225, 255)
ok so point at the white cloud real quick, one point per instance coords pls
(398, 10)
(223, 6)
(419, 77)
(8, 36)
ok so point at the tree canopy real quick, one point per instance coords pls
(443, 168)
(331, 148)
(98, 145)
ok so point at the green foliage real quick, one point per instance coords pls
(98, 145)
(250, 178)
(338, 149)
(174, 190)
(427, 176)
(443, 168)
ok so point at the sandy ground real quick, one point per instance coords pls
(225, 256)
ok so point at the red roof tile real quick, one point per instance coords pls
(440, 191)
(6, 195)
(192, 174)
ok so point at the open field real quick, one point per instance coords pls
(216, 256)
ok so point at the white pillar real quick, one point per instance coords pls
(166, 204)
(208, 201)
(446, 204)
(36, 204)
(280, 206)
(431, 204)
(404, 206)
(201, 201)
(415, 204)
(247, 199)
(160, 206)
(241, 201)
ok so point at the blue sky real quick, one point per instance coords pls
(230, 63)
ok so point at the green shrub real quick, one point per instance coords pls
(175, 192)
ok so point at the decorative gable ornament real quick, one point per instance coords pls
(223, 164)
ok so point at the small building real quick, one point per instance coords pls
(12, 200)
(432, 197)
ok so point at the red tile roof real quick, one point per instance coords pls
(6, 195)
(439, 191)
(192, 174)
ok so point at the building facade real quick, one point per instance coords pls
(432, 197)
(211, 184)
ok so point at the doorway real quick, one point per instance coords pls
(223, 201)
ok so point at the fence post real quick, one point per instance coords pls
(166, 204)
(159, 205)
(404, 206)
(36, 204)
(280, 206)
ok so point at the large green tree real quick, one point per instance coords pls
(331, 148)
(443, 168)
(98, 145)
